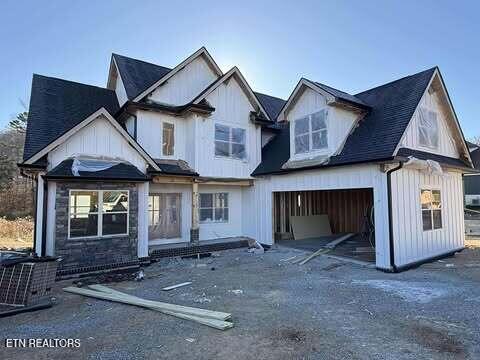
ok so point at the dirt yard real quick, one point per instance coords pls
(326, 309)
(16, 234)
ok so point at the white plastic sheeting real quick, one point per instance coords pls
(90, 164)
(429, 166)
(428, 128)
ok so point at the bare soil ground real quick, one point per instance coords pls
(326, 309)
(16, 234)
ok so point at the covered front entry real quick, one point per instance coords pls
(310, 220)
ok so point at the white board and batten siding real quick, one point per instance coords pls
(99, 138)
(150, 134)
(257, 222)
(446, 144)
(411, 242)
(120, 90)
(232, 108)
(186, 84)
(230, 228)
(210, 230)
(339, 121)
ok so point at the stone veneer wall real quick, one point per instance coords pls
(94, 251)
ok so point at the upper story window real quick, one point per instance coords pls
(230, 142)
(311, 133)
(168, 139)
(428, 128)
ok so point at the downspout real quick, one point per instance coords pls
(390, 211)
(44, 217)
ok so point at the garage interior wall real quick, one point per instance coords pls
(346, 209)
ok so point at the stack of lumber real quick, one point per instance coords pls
(215, 319)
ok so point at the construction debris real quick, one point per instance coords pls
(176, 286)
(330, 246)
(215, 319)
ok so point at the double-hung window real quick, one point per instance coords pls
(230, 142)
(168, 139)
(427, 128)
(431, 202)
(311, 133)
(96, 213)
(214, 207)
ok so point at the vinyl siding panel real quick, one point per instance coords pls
(185, 85)
(99, 138)
(232, 108)
(411, 242)
(339, 122)
(446, 144)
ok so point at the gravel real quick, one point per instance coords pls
(327, 309)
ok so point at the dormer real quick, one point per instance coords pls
(320, 120)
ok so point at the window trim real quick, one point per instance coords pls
(161, 150)
(311, 150)
(100, 214)
(428, 110)
(230, 126)
(214, 207)
(431, 188)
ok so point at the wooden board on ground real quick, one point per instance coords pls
(214, 323)
(311, 226)
(176, 286)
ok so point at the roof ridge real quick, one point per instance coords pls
(275, 97)
(72, 82)
(322, 84)
(143, 61)
(394, 81)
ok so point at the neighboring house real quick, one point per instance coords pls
(471, 182)
(190, 155)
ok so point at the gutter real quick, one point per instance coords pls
(394, 267)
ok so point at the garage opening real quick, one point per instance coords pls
(310, 220)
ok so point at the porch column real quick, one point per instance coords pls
(143, 190)
(194, 231)
(39, 214)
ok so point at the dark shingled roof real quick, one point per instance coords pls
(422, 155)
(58, 105)
(173, 167)
(271, 104)
(138, 75)
(341, 94)
(377, 135)
(122, 171)
(475, 155)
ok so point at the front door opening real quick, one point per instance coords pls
(164, 216)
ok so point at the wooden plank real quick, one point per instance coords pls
(143, 302)
(176, 286)
(217, 324)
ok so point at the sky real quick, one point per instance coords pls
(350, 45)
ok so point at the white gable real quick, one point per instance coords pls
(120, 91)
(186, 84)
(432, 101)
(339, 121)
(98, 138)
(232, 108)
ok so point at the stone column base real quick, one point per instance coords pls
(195, 236)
